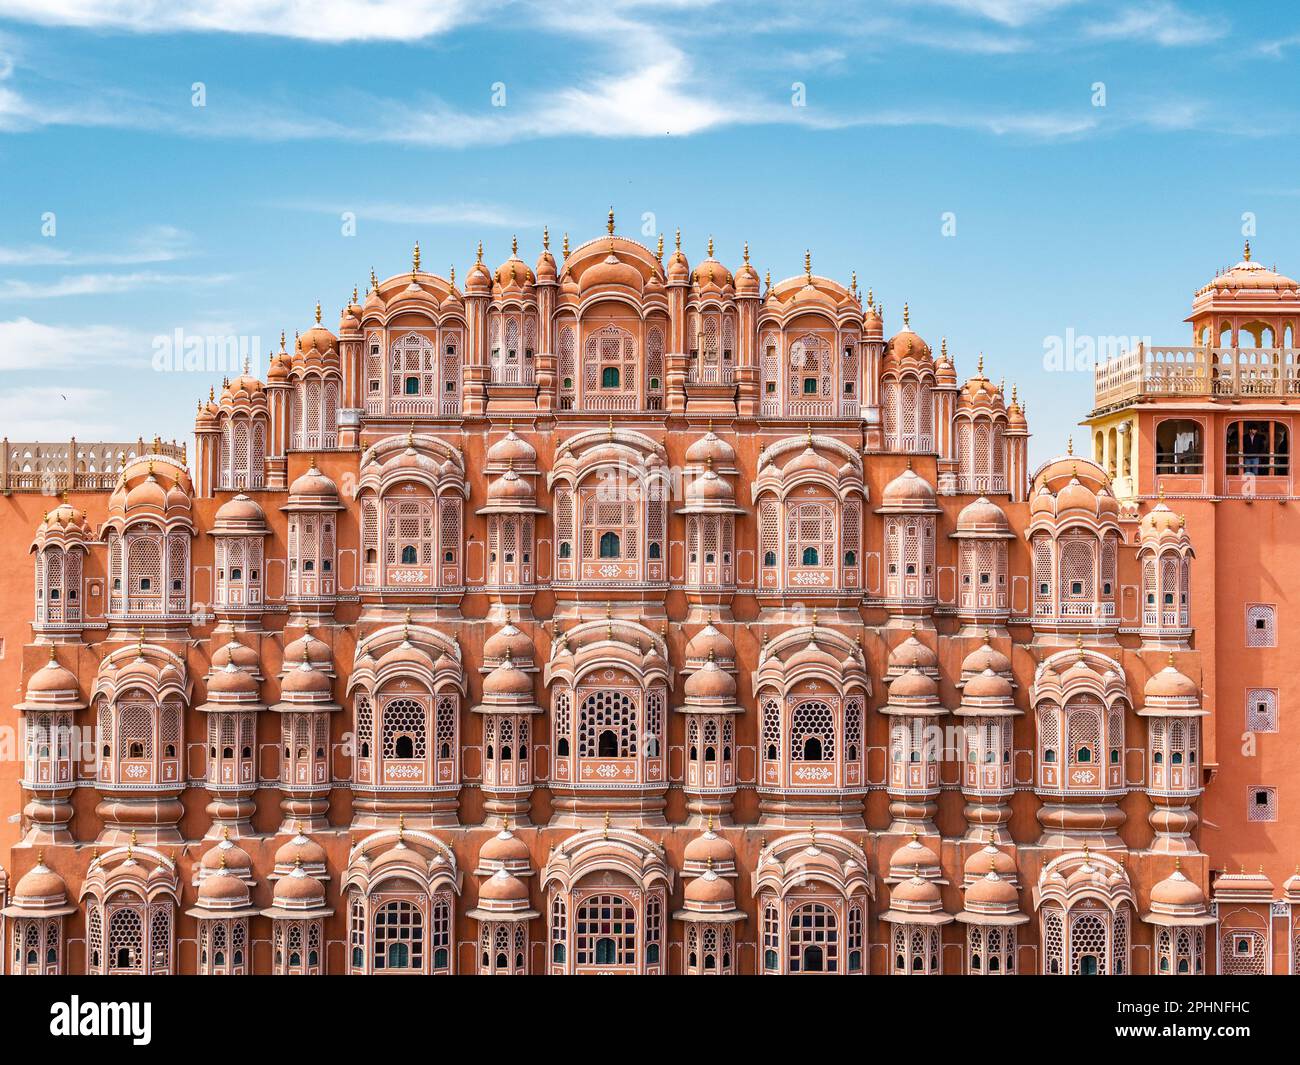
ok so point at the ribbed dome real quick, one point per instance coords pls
(501, 886)
(41, 885)
(223, 886)
(710, 682)
(298, 887)
(710, 888)
(908, 489)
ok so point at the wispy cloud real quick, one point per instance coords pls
(1163, 23)
(59, 413)
(329, 21)
(1004, 12)
(432, 214)
(158, 244)
(103, 284)
(29, 345)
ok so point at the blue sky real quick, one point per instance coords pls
(1071, 220)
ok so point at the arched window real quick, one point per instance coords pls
(609, 377)
(409, 555)
(1179, 447)
(1259, 448)
(609, 545)
(810, 557)
(814, 939)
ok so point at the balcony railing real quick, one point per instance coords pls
(1197, 372)
(49, 468)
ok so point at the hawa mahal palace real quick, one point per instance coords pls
(617, 615)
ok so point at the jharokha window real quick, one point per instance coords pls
(1179, 447)
(1258, 448)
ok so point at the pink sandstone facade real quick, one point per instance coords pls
(614, 615)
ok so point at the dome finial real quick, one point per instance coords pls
(979, 366)
(514, 244)
(678, 239)
(401, 826)
(318, 312)
(566, 245)
(605, 832)
(1069, 445)
(746, 253)
(807, 265)
(659, 249)
(907, 315)
(710, 245)
(1246, 252)
(415, 259)
(609, 224)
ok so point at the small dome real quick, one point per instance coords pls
(510, 488)
(990, 859)
(915, 892)
(508, 679)
(991, 890)
(298, 887)
(313, 483)
(610, 271)
(982, 515)
(913, 654)
(710, 642)
(1177, 890)
(710, 888)
(709, 846)
(986, 657)
(309, 647)
(913, 685)
(1170, 683)
(40, 886)
(501, 886)
(914, 857)
(505, 848)
(318, 339)
(907, 345)
(231, 680)
(240, 510)
(908, 489)
(243, 656)
(509, 641)
(304, 679)
(709, 488)
(229, 856)
(710, 682)
(512, 448)
(987, 685)
(51, 678)
(300, 849)
(711, 447)
(223, 886)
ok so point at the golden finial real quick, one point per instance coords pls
(767, 277)
(814, 617)
(1246, 253)
(133, 837)
(812, 829)
(415, 259)
(505, 823)
(746, 253)
(1069, 445)
(609, 222)
(659, 248)
(452, 275)
(374, 283)
(139, 644)
(318, 312)
(1171, 660)
(401, 826)
(1087, 855)
(605, 832)
(678, 239)
(514, 244)
(871, 297)
(807, 265)
(810, 435)
(566, 245)
(479, 255)
(709, 825)
(907, 314)
(546, 238)
(297, 826)
(406, 625)
(853, 282)
(710, 245)
(979, 366)
(610, 429)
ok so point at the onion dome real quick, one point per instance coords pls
(40, 892)
(610, 271)
(986, 657)
(979, 393)
(908, 491)
(1070, 486)
(298, 890)
(64, 525)
(316, 651)
(709, 889)
(812, 656)
(510, 488)
(52, 687)
(545, 270)
(1251, 276)
(479, 281)
(505, 851)
(710, 490)
(1016, 420)
(1160, 525)
(222, 890)
(986, 686)
(511, 642)
(914, 691)
(243, 656)
(512, 449)
(506, 682)
(747, 282)
(810, 461)
(709, 643)
(501, 886)
(514, 272)
(914, 858)
(239, 516)
(679, 270)
(990, 859)
(313, 490)
(983, 516)
(992, 895)
(1176, 893)
(317, 339)
(912, 654)
(205, 415)
(305, 680)
(709, 684)
(711, 448)
(1171, 693)
(945, 373)
(710, 273)
(709, 850)
(228, 856)
(916, 901)
(230, 686)
(300, 852)
(905, 344)
(872, 324)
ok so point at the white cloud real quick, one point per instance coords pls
(102, 284)
(59, 413)
(322, 20)
(29, 345)
(1161, 23)
(158, 244)
(1005, 12)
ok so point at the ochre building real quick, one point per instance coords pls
(618, 615)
